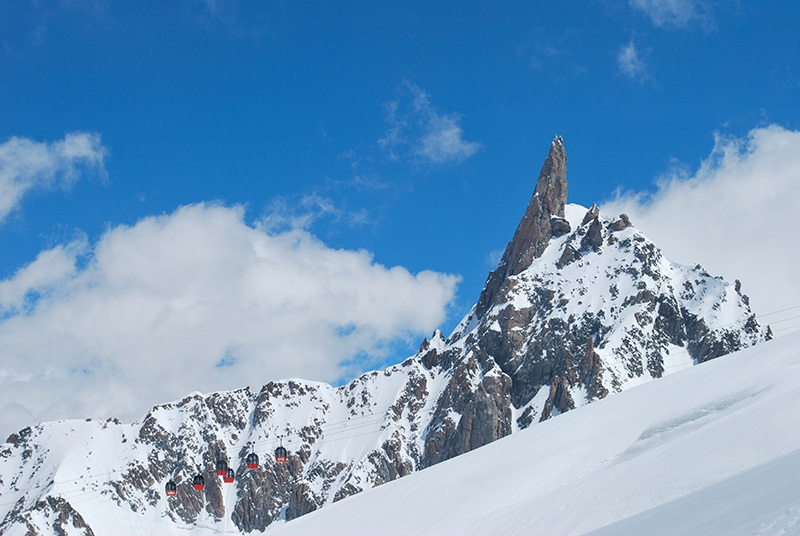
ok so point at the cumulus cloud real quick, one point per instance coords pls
(736, 215)
(196, 300)
(631, 64)
(50, 269)
(26, 165)
(415, 124)
(671, 13)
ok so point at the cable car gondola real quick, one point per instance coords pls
(222, 467)
(228, 476)
(171, 489)
(199, 483)
(252, 461)
(280, 455)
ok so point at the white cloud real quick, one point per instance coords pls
(312, 207)
(50, 269)
(435, 137)
(675, 13)
(444, 141)
(196, 300)
(631, 64)
(26, 165)
(737, 215)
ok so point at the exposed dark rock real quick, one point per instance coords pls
(484, 409)
(189, 502)
(18, 437)
(260, 496)
(533, 233)
(704, 345)
(622, 223)
(532, 345)
(558, 399)
(569, 255)
(527, 417)
(61, 518)
(431, 358)
(301, 501)
(559, 226)
(591, 214)
(593, 238)
(591, 373)
(738, 289)
(388, 463)
(346, 491)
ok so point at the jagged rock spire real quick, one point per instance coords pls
(537, 225)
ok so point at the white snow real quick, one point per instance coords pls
(627, 456)
(574, 214)
(711, 450)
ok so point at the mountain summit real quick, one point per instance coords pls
(543, 217)
(580, 306)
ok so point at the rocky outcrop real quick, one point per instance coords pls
(51, 515)
(563, 335)
(591, 373)
(559, 226)
(479, 398)
(570, 254)
(621, 224)
(559, 398)
(579, 307)
(534, 231)
(301, 501)
(593, 238)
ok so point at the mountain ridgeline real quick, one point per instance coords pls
(580, 306)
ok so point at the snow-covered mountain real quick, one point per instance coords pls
(710, 451)
(580, 306)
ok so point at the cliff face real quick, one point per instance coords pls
(580, 307)
(543, 218)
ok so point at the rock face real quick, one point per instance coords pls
(533, 233)
(579, 308)
(52, 515)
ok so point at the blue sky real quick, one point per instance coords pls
(359, 138)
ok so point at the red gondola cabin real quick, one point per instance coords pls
(252, 461)
(228, 476)
(199, 483)
(280, 455)
(222, 467)
(171, 489)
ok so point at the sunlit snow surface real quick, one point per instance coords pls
(711, 450)
(584, 470)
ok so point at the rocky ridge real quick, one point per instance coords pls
(580, 306)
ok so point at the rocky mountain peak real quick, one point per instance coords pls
(543, 218)
(582, 306)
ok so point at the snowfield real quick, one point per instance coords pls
(711, 450)
(601, 311)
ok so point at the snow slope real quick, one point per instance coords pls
(710, 450)
(580, 307)
(554, 337)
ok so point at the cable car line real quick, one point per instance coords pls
(784, 328)
(339, 434)
(784, 320)
(780, 311)
(329, 432)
